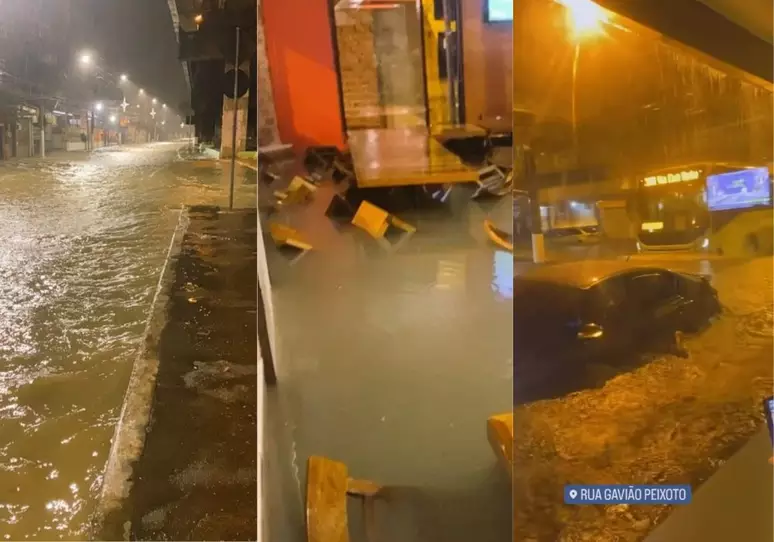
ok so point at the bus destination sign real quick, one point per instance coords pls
(672, 178)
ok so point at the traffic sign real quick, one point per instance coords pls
(243, 84)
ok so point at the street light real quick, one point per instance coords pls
(98, 106)
(112, 119)
(585, 17)
(164, 106)
(199, 19)
(124, 78)
(142, 92)
(85, 59)
(153, 101)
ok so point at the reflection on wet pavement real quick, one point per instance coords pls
(391, 363)
(83, 243)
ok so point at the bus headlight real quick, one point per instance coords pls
(705, 243)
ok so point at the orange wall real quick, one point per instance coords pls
(300, 53)
(487, 51)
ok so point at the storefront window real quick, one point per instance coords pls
(380, 65)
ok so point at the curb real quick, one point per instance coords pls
(110, 517)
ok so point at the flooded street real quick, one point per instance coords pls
(391, 364)
(666, 419)
(84, 241)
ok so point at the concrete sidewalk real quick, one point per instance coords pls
(196, 477)
(736, 503)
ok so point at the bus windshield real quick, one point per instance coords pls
(672, 216)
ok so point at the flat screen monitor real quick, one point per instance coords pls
(739, 189)
(498, 11)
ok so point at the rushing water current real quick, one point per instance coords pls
(82, 243)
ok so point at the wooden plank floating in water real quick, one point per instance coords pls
(327, 487)
(326, 501)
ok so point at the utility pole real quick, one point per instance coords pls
(42, 131)
(90, 131)
(536, 221)
(234, 124)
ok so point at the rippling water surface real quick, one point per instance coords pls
(82, 243)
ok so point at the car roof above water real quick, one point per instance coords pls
(581, 274)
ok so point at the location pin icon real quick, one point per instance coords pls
(573, 493)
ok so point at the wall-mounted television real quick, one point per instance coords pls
(498, 11)
(739, 189)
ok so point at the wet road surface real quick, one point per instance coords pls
(83, 243)
(392, 363)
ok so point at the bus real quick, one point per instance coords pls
(692, 207)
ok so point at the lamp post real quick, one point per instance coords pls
(584, 19)
(87, 62)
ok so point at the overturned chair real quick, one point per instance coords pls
(388, 230)
(328, 163)
(299, 191)
(497, 236)
(328, 486)
(289, 242)
(493, 181)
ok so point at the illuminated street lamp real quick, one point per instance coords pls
(85, 59)
(98, 106)
(153, 101)
(124, 78)
(199, 19)
(164, 106)
(112, 119)
(142, 92)
(585, 18)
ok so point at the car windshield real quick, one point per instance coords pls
(675, 216)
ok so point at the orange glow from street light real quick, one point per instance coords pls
(199, 19)
(585, 17)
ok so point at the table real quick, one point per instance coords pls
(404, 157)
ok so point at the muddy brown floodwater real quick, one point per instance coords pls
(670, 420)
(83, 241)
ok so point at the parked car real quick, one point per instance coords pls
(576, 312)
(590, 230)
(577, 236)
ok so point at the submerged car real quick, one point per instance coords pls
(587, 311)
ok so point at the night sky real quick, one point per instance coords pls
(136, 37)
